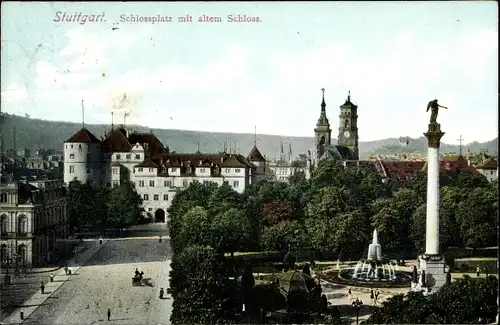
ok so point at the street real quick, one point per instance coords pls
(106, 282)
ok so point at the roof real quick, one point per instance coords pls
(337, 153)
(148, 163)
(154, 146)
(83, 136)
(233, 162)
(116, 141)
(490, 164)
(295, 281)
(255, 155)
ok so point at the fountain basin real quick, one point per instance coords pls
(345, 277)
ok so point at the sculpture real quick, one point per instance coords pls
(434, 107)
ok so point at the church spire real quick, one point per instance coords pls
(323, 120)
(349, 96)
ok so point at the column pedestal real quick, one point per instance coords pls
(435, 275)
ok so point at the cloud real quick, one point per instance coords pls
(13, 93)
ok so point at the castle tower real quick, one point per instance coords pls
(322, 132)
(82, 157)
(348, 127)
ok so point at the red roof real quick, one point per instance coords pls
(255, 155)
(116, 141)
(154, 146)
(83, 136)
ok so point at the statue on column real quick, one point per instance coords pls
(434, 107)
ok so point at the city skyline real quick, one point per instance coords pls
(393, 57)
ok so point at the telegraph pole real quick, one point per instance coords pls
(460, 140)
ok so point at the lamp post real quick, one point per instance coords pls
(357, 305)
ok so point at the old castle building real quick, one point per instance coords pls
(348, 137)
(157, 173)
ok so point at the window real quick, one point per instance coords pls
(227, 170)
(71, 146)
(167, 183)
(165, 197)
(141, 183)
(173, 170)
(137, 156)
(237, 170)
(115, 170)
(146, 197)
(22, 225)
(152, 183)
(139, 170)
(150, 209)
(3, 197)
(128, 156)
(236, 184)
(206, 182)
(225, 182)
(151, 170)
(202, 170)
(115, 184)
(72, 156)
(71, 169)
(185, 183)
(4, 224)
(156, 197)
(118, 157)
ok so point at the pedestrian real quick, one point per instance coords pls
(100, 240)
(109, 314)
(349, 292)
(159, 240)
(66, 270)
(372, 296)
(478, 271)
(51, 277)
(42, 287)
(376, 296)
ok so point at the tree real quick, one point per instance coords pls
(418, 227)
(464, 301)
(231, 231)
(194, 195)
(194, 229)
(284, 235)
(80, 200)
(124, 206)
(392, 218)
(477, 216)
(277, 211)
(223, 198)
(200, 288)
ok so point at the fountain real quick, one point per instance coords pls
(374, 270)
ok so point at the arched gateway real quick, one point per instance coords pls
(160, 216)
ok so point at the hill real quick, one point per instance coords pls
(36, 133)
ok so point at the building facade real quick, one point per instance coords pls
(489, 169)
(157, 173)
(33, 220)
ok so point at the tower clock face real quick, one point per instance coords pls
(347, 134)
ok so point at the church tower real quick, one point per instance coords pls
(322, 132)
(348, 127)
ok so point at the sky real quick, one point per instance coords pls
(393, 57)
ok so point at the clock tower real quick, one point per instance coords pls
(322, 132)
(348, 127)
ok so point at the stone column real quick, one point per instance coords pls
(433, 136)
(431, 262)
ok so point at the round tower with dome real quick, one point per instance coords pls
(82, 157)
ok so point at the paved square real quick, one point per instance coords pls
(106, 282)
